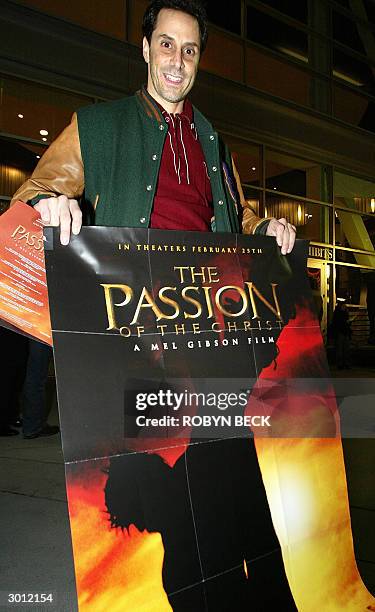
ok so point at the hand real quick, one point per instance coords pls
(285, 234)
(61, 212)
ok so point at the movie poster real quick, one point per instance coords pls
(23, 286)
(200, 431)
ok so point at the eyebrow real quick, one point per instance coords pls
(192, 44)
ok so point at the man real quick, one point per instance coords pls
(12, 373)
(153, 160)
(150, 160)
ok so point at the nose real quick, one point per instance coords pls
(178, 59)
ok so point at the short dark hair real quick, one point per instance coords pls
(191, 7)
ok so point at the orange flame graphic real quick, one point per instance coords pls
(114, 571)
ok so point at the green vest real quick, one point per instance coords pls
(121, 146)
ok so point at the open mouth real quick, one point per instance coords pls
(172, 80)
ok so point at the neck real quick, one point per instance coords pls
(171, 107)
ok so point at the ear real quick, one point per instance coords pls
(146, 50)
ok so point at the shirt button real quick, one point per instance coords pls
(214, 169)
(212, 137)
(220, 202)
(149, 187)
(143, 219)
(161, 127)
(154, 157)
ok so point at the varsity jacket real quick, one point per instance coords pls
(110, 154)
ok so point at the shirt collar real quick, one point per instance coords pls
(187, 111)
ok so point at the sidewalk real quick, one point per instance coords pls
(36, 554)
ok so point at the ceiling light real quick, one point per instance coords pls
(253, 168)
(20, 116)
(44, 139)
(294, 54)
(347, 78)
(38, 156)
(275, 188)
(43, 132)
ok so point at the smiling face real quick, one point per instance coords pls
(172, 58)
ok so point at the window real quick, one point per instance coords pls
(34, 111)
(370, 10)
(295, 176)
(345, 31)
(353, 71)
(352, 285)
(226, 15)
(18, 160)
(246, 157)
(344, 3)
(355, 193)
(297, 10)
(354, 199)
(104, 17)
(276, 35)
(310, 219)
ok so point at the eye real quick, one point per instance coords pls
(166, 44)
(190, 51)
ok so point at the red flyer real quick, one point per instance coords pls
(23, 287)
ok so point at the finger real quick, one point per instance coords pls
(54, 211)
(285, 243)
(279, 234)
(281, 224)
(65, 222)
(43, 209)
(292, 237)
(76, 216)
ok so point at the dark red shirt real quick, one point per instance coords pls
(183, 199)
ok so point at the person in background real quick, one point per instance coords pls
(34, 411)
(342, 333)
(14, 355)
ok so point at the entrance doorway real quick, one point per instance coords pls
(318, 273)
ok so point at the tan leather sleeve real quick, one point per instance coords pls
(250, 221)
(59, 171)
